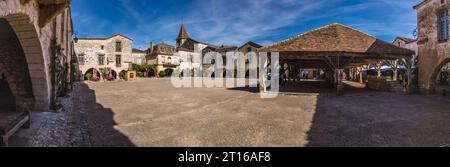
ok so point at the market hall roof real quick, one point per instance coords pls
(336, 38)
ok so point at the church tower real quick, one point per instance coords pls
(182, 36)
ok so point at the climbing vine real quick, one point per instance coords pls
(60, 69)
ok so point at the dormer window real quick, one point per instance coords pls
(443, 25)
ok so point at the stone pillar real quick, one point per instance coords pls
(448, 72)
(409, 79)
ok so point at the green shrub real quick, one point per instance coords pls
(389, 78)
(122, 75)
(162, 74)
(88, 76)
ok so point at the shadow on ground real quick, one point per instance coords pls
(100, 120)
(363, 118)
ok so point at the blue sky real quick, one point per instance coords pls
(233, 22)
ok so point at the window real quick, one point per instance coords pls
(249, 49)
(118, 46)
(118, 60)
(102, 47)
(81, 59)
(101, 59)
(443, 25)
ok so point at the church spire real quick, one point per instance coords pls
(183, 33)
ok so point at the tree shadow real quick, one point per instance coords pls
(99, 120)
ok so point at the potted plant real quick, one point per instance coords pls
(95, 79)
(110, 78)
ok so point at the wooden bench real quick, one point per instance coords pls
(10, 123)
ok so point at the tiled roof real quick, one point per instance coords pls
(183, 34)
(336, 38)
(89, 38)
(407, 40)
(138, 51)
(251, 43)
(163, 48)
(421, 3)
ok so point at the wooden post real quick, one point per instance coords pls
(379, 64)
(360, 69)
(339, 84)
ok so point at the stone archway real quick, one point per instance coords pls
(168, 72)
(151, 73)
(436, 72)
(23, 62)
(114, 74)
(92, 74)
(23, 19)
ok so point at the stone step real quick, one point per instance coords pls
(395, 86)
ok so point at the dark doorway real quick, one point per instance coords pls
(7, 99)
(168, 72)
(151, 73)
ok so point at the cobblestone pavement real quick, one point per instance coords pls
(66, 128)
(150, 112)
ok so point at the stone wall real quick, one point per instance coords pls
(92, 48)
(377, 83)
(432, 52)
(35, 29)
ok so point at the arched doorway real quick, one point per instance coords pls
(440, 78)
(151, 73)
(113, 75)
(168, 72)
(15, 73)
(92, 74)
(122, 74)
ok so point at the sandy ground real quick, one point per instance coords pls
(150, 112)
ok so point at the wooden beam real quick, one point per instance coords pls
(48, 12)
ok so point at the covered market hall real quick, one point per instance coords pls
(337, 51)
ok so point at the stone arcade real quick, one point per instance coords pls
(35, 58)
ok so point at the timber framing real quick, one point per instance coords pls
(336, 47)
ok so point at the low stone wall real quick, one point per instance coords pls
(377, 83)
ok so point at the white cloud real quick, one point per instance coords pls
(234, 22)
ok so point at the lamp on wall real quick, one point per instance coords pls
(75, 38)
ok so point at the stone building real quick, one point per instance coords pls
(433, 41)
(186, 47)
(162, 55)
(139, 56)
(110, 55)
(407, 43)
(36, 62)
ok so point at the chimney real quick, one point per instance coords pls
(151, 48)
